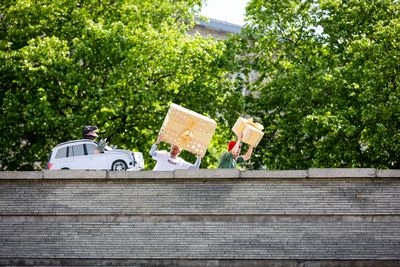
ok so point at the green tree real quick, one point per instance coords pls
(327, 86)
(115, 64)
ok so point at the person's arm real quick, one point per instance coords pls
(247, 156)
(196, 165)
(237, 145)
(153, 148)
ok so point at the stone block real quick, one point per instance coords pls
(141, 175)
(207, 173)
(388, 173)
(296, 174)
(21, 175)
(341, 173)
(74, 174)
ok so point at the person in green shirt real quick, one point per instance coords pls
(231, 158)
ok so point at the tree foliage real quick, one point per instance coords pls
(321, 75)
(327, 86)
(115, 64)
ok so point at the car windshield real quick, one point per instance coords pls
(107, 148)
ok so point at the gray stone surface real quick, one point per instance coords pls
(74, 174)
(342, 173)
(202, 240)
(200, 218)
(198, 262)
(205, 218)
(297, 174)
(388, 173)
(205, 174)
(21, 175)
(141, 175)
(208, 173)
(188, 196)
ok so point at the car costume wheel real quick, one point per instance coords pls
(119, 165)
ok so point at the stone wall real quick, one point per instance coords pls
(315, 217)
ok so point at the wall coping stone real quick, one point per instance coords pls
(21, 175)
(313, 173)
(388, 173)
(140, 175)
(74, 174)
(292, 174)
(207, 173)
(341, 172)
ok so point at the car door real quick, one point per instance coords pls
(77, 158)
(97, 160)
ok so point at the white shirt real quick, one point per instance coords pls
(166, 163)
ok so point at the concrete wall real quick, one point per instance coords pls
(315, 217)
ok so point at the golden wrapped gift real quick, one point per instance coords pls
(252, 131)
(187, 129)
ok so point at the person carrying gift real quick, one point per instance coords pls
(169, 161)
(231, 158)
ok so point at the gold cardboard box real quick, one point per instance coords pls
(187, 129)
(252, 131)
